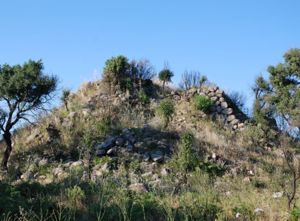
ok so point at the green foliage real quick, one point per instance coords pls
(202, 103)
(294, 214)
(65, 97)
(165, 76)
(26, 83)
(279, 96)
(103, 126)
(75, 194)
(102, 160)
(143, 98)
(166, 110)
(212, 169)
(186, 159)
(23, 88)
(116, 69)
(203, 80)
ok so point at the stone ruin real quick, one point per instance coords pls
(224, 108)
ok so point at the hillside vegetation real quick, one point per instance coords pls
(128, 147)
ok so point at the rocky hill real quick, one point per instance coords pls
(110, 157)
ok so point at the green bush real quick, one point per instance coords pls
(75, 195)
(186, 158)
(166, 110)
(294, 214)
(143, 98)
(212, 169)
(202, 103)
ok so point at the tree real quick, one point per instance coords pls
(278, 98)
(116, 69)
(165, 76)
(239, 99)
(24, 90)
(141, 70)
(190, 79)
(65, 98)
(166, 110)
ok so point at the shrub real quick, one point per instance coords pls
(212, 169)
(65, 97)
(143, 98)
(294, 214)
(202, 103)
(115, 69)
(186, 158)
(166, 110)
(165, 76)
(75, 196)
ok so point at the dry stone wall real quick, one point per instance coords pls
(223, 108)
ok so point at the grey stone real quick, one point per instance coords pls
(146, 157)
(157, 156)
(120, 141)
(76, 164)
(58, 170)
(27, 176)
(85, 176)
(222, 99)
(227, 111)
(108, 143)
(214, 98)
(234, 122)
(112, 151)
(164, 171)
(129, 147)
(224, 104)
(278, 195)
(231, 118)
(100, 152)
(259, 211)
(43, 162)
(220, 92)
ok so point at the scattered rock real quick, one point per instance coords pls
(165, 171)
(157, 156)
(278, 195)
(120, 141)
(76, 164)
(27, 176)
(258, 211)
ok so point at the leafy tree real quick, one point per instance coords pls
(65, 98)
(24, 89)
(165, 76)
(166, 110)
(278, 98)
(116, 69)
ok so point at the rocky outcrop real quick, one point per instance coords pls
(128, 142)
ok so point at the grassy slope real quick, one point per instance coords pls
(204, 195)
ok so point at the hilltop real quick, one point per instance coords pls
(139, 150)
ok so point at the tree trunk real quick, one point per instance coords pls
(66, 105)
(7, 139)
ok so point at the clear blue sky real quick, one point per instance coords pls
(229, 41)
